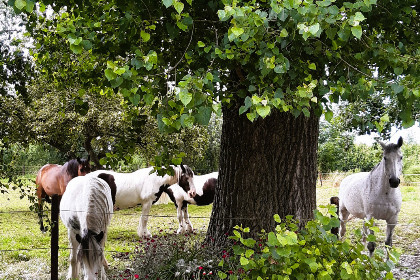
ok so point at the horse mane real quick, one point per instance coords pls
(72, 168)
(111, 183)
(90, 249)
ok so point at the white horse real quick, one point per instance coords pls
(85, 209)
(145, 187)
(205, 186)
(374, 194)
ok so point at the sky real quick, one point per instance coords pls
(412, 133)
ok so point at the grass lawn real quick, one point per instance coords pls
(24, 250)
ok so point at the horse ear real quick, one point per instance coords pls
(382, 144)
(99, 236)
(78, 238)
(183, 168)
(78, 160)
(400, 142)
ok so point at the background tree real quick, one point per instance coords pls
(272, 66)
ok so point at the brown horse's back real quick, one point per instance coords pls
(52, 180)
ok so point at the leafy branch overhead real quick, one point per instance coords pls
(188, 57)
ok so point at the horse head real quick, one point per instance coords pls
(84, 166)
(185, 180)
(392, 158)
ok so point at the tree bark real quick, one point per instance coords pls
(267, 167)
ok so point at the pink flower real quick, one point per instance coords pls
(200, 268)
(136, 276)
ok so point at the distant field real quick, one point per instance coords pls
(24, 250)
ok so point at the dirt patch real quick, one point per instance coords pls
(409, 265)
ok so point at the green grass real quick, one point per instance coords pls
(20, 230)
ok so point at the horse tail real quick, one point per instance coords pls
(336, 201)
(90, 251)
(162, 189)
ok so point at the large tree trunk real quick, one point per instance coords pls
(266, 167)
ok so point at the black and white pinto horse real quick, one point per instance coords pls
(374, 194)
(145, 187)
(86, 208)
(205, 186)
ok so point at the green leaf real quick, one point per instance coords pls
(201, 44)
(244, 261)
(167, 3)
(179, 7)
(249, 253)
(263, 111)
(109, 74)
(251, 116)
(277, 218)
(204, 115)
(359, 16)
(30, 6)
(397, 88)
(329, 115)
(185, 97)
(20, 4)
(237, 31)
(135, 99)
(117, 82)
(222, 275)
(313, 29)
(209, 76)
(145, 36)
(312, 66)
(120, 71)
(103, 161)
(357, 31)
(306, 112)
(284, 33)
(149, 98)
(87, 45)
(77, 49)
(187, 120)
(398, 70)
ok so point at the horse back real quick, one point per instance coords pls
(352, 193)
(51, 179)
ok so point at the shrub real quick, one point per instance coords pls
(308, 253)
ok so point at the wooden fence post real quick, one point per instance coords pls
(55, 209)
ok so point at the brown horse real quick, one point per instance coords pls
(53, 178)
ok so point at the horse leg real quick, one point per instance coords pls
(142, 229)
(74, 264)
(389, 231)
(179, 214)
(344, 215)
(371, 245)
(41, 195)
(188, 225)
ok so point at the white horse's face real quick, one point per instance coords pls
(392, 157)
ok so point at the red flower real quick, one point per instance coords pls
(136, 276)
(230, 271)
(200, 268)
